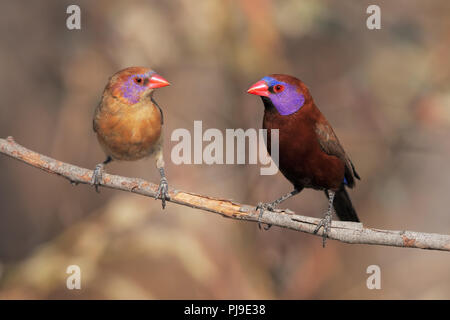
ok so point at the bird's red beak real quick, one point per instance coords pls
(260, 89)
(156, 81)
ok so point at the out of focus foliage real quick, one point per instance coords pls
(386, 92)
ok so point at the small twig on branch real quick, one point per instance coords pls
(348, 232)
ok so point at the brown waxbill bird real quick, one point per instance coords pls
(128, 122)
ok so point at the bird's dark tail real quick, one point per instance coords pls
(343, 206)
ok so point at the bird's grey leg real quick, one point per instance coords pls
(163, 189)
(326, 221)
(98, 173)
(272, 205)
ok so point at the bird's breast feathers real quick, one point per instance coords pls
(129, 132)
(301, 158)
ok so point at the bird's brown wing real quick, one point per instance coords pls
(96, 114)
(160, 110)
(94, 125)
(330, 144)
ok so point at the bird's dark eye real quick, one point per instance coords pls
(278, 88)
(138, 80)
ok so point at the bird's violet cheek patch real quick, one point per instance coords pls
(132, 91)
(288, 101)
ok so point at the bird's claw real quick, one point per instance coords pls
(97, 176)
(326, 224)
(261, 207)
(163, 192)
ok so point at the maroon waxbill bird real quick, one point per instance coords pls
(310, 154)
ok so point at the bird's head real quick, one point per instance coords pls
(132, 84)
(286, 93)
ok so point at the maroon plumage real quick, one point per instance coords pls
(310, 154)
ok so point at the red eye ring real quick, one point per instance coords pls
(138, 80)
(278, 88)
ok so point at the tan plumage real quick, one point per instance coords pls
(128, 122)
(128, 132)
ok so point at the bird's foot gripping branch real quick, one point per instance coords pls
(348, 232)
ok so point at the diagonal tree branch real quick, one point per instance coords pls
(348, 232)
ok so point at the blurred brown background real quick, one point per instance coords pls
(386, 92)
